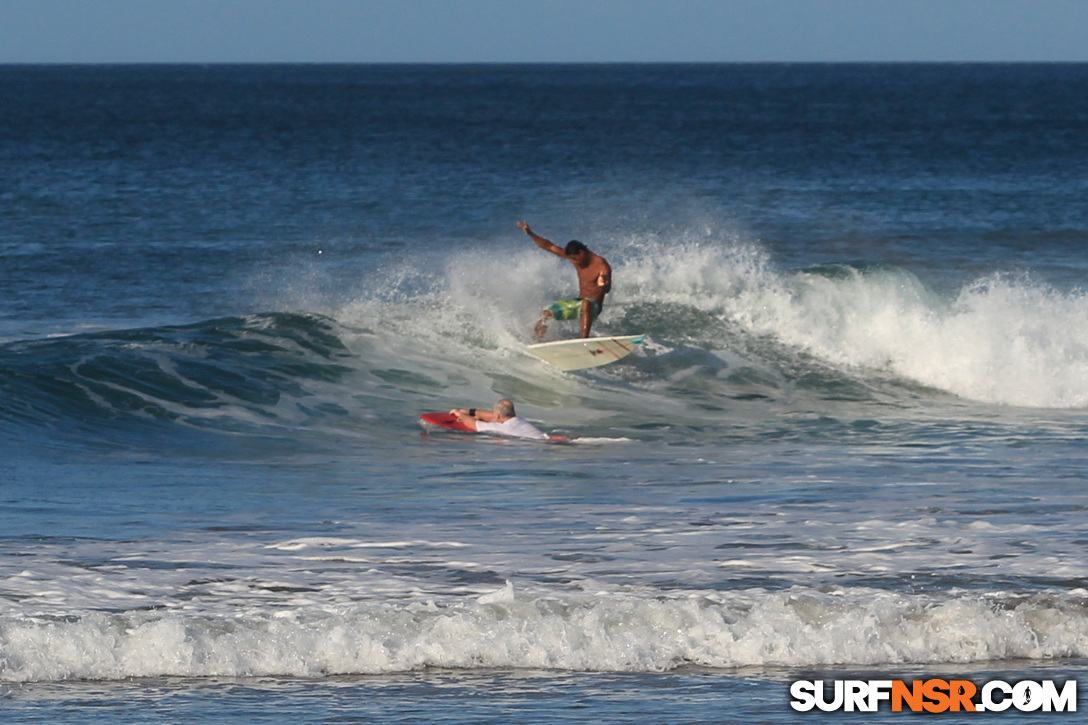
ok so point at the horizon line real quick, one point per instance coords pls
(531, 62)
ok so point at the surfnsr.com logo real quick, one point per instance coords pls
(934, 696)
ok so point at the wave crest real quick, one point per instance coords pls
(799, 628)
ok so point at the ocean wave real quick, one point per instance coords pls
(510, 629)
(999, 339)
(1008, 340)
(222, 373)
(724, 327)
(718, 307)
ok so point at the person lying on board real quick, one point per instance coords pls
(500, 420)
(594, 282)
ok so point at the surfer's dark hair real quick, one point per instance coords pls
(574, 246)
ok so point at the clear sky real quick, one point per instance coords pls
(441, 31)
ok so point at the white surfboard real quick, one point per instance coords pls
(587, 352)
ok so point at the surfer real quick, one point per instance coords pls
(501, 420)
(594, 282)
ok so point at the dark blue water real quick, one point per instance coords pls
(852, 444)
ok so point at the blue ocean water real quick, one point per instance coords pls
(853, 445)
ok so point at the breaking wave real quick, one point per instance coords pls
(509, 629)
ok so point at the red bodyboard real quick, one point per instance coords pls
(448, 421)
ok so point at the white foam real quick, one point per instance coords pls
(508, 629)
(1000, 339)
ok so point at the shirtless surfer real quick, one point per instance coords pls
(501, 419)
(594, 282)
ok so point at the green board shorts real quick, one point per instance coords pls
(572, 309)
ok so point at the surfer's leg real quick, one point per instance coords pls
(587, 317)
(542, 325)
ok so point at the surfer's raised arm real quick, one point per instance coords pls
(545, 244)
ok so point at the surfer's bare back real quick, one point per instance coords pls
(594, 282)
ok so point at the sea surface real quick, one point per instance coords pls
(854, 445)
